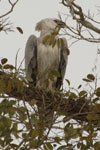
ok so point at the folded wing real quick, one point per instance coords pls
(64, 52)
(31, 58)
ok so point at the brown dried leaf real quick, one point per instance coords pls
(4, 60)
(91, 77)
(7, 66)
(19, 29)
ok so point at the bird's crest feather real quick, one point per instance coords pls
(38, 26)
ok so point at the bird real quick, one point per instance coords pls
(46, 63)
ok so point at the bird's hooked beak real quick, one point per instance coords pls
(60, 23)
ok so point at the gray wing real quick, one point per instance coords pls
(63, 63)
(31, 58)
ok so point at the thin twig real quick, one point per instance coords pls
(11, 9)
(81, 19)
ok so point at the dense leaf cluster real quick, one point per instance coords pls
(25, 114)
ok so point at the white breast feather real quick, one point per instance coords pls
(48, 58)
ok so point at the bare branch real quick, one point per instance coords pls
(12, 7)
(6, 25)
(82, 20)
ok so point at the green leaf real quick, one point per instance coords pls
(0, 66)
(2, 143)
(98, 89)
(82, 93)
(33, 102)
(98, 92)
(34, 143)
(91, 77)
(33, 119)
(95, 99)
(24, 135)
(97, 146)
(55, 73)
(7, 66)
(9, 86)
(45, 147)
(68, 82)
(2, 86)
(11, 110)
(51, 40)
(62, 147)
(14, 146)
(4, 61)
(93, 117)
(57, 139)
(71, 132)
(34, 133)
(66, 119)
(59, 43)
(48, 146)
(79, 86)
(54, 43)
(12, 102)
(95, 108)
(73, 95)
(15, 127)
(45, 39)
(86, 80)
(22, 109)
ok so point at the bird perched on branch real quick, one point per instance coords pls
(46, 59)
(46, 56)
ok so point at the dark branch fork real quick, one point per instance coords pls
(5, 24)
(81, 19)
(11, 9)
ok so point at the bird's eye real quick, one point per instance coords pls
(60, 23)
(56, 21)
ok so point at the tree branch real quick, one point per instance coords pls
(12, 7)
(78, 15)
(75, 108)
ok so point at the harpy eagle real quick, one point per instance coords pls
(41, 58)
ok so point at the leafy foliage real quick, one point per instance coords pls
(51, 40)
(76, 116)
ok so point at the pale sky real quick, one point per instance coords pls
(27, 13)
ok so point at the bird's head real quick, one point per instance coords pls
(50, 24)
